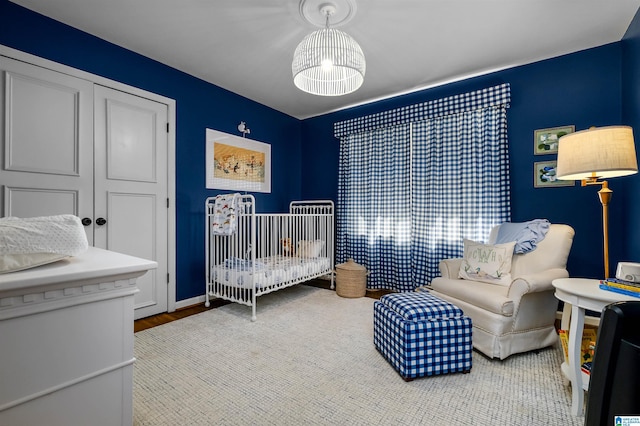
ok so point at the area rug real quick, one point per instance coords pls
(309, 359)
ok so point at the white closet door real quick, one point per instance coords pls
(131, 187)
(46, 155)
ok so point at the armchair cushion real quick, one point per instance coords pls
(487, 263)
(490, 297)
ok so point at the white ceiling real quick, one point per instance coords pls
(246, 46)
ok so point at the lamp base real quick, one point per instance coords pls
(605, 195)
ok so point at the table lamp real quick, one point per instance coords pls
(596, 154)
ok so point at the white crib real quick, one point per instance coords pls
(268, 252)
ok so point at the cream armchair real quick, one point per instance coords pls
(519, 317)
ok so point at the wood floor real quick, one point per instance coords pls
(155, 320)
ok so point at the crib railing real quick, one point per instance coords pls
(307, 231)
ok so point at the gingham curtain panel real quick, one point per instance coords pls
(410, 191)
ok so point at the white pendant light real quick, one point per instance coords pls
(328, 62)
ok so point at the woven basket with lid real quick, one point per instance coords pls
(351, 279)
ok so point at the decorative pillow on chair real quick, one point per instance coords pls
(487, 263)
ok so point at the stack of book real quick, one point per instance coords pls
(621, 286)
(587, 347)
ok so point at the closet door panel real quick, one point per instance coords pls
(131, 187)
(131, 144)
(55, 139)
(132, 229)
(32, 202)
(47, 142)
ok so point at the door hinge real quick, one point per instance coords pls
(167, 202)
(167, 278)
(167, 127)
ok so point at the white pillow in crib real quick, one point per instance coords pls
(310, 248)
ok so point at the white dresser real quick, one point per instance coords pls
(66, 341)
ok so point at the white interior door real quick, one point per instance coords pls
(69, 145)
(47, 152)
(131, 187)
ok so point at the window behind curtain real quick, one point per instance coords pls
(414, 182)
(460, 185)
(374, 218)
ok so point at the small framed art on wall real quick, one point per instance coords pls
(545, 141)
(544, 175)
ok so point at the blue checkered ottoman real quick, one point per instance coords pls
(422, 335)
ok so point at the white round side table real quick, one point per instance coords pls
(581, 294)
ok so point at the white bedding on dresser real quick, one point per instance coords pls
(30, 242)
(269, 271)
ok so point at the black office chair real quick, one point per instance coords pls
(614, 387)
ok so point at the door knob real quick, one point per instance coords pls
(86, 221)
(101, 221)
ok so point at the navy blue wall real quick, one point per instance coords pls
(631, 117)
(583, 89)
(199, 105)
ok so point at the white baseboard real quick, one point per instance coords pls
(185, 303)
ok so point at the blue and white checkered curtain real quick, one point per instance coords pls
(460, 185)
(374, 218)
(408, 193)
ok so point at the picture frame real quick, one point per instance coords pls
(545, 141)
(544, 173)
(236, 163)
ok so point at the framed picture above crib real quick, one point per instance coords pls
(236, 163)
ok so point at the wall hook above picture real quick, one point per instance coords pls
(242, 127)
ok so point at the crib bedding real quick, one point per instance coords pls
(268, 271)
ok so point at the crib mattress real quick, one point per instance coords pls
(271, 271)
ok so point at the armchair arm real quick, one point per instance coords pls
(449, 268)
(531, 283)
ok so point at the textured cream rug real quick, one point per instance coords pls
(310, 359)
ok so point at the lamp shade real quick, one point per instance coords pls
(328, 62)
(602, 152)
